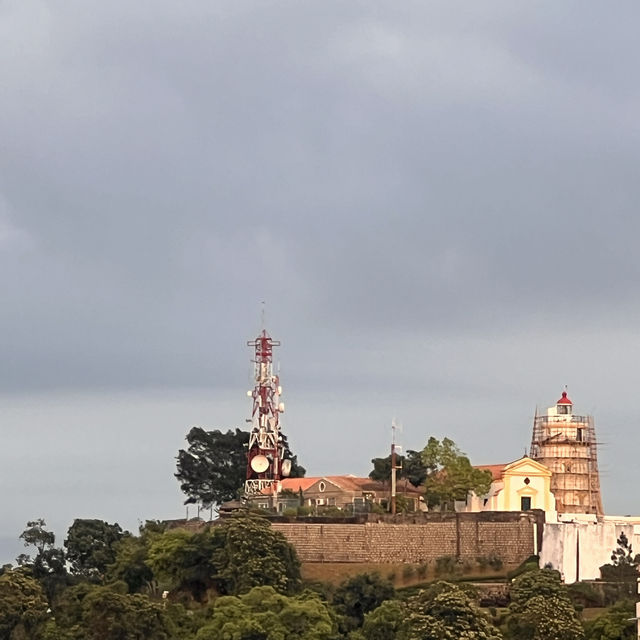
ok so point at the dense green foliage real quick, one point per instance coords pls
(446, 612)
(91, 546)
(450, 476)
(411, 468)
(358, 596)
(264, 614)
(23, 605)
(616, 624)
(211, 470)
(253, 554)
(541, 608)
(240, 580)
(48, 566)
(386, 622)
(444, 471)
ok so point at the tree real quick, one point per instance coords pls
(386, 622)
(538, 582)
(545, 618)
(234, 556)
(615, 624)
(94, 612)
(130, 563)
(359, 595)
(622, 571)
(182, 560)
(411, 468)
(109, 615)
(251, 553)
(541, 608)
(132, 552)
(264, 614)
(450, 476)
(447, 613)
(49, 564)
(91, 546)
(37, 536)
(212, 469)
(23, 605)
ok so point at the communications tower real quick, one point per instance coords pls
(566, 444)
(265, 462)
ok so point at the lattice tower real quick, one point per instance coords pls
(265, 463)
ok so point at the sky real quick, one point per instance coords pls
(437, 203)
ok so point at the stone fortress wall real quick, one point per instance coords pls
(511, 536)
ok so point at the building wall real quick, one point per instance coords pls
(579, 549)
(513, 537)
(522, 478)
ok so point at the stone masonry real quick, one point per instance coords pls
(513, 537)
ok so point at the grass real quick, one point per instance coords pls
(589, 613)
(399, 573)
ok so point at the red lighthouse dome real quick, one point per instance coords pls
(564, 399)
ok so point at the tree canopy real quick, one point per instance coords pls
(446, 612)
(234, 556)
(386, 622)
(23, 604)
(359, 595)
(450, 476)
(91, 546)
(411, 468)
(48, 566)
(212, 469)
(253, 554)
(541, 608)
(264, 614)
(615, 624)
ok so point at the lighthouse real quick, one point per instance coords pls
(566, 444)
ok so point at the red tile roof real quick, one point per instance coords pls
(496, 469)
(345, 482)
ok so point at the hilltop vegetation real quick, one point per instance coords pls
(240, 580)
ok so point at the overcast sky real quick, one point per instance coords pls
(438, 202)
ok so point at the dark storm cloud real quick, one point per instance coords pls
(432, 169)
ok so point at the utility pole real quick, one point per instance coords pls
(394, 467)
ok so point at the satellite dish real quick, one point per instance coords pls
(286, 467)
(259, 463)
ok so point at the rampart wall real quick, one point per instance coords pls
(513, 537)
(579, 549)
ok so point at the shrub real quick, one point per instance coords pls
(495, 561)
(446, 565)
(408, 571)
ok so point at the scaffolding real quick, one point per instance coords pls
(566, 444)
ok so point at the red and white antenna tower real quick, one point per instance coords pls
(265, 464)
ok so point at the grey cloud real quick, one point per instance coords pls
(434, 200)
